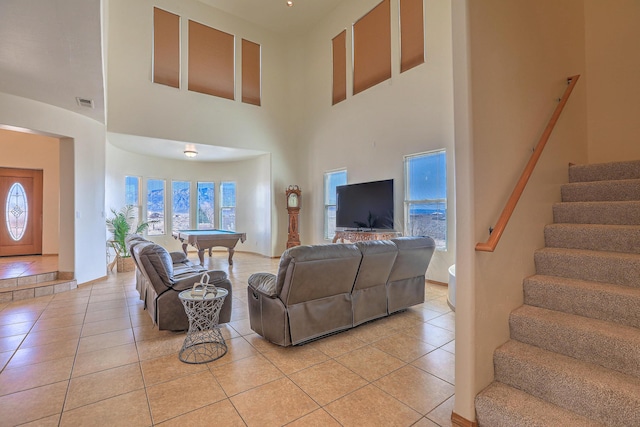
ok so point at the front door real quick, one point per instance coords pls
(20, 212)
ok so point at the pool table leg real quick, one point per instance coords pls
(201, 256)
(231, 252)
(184, 248)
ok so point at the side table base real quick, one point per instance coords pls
(203, 346)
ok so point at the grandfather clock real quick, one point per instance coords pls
(293, 206)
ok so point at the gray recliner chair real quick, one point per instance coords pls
(164, 277)
(309, 297)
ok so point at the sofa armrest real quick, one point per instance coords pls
(177, 257)
(263, 283)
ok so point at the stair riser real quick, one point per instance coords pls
(614, 213)
(502, 406)
(589, 301)
(601, 191)
(617, 406)
(597, 267)
(35, 291)
(604, 171)
(594, 238)
(605, 347)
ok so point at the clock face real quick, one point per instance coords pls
(292, 202)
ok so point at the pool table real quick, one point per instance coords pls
(207, 239)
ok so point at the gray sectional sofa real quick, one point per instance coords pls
(322, 289)
(161, 275)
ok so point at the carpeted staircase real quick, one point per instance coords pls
(574, 354)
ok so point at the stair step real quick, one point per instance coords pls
(499, 405)
(592, 391)
(609, 238)
(595, 341)
(604, 267)
(602, 301)
(614, 213)
(621, 190)
(605, 171)
(34, 290)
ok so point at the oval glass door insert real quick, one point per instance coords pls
(16, 211)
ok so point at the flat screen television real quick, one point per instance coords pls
(367, 205)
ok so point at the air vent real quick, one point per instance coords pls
(83, 102)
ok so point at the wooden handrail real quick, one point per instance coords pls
(496, 233)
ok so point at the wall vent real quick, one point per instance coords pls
(83, 102)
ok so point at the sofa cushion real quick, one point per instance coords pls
(378, 257)
(161, 262)
(414, 254)
(318, 271)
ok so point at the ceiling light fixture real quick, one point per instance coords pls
(190, 151)
(290, 3)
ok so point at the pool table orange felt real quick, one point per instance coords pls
(208, 239)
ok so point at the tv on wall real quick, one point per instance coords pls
(367, 205)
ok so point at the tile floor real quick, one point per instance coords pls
(92, 356)
(19, 266)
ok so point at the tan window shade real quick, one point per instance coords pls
(372, 48)
(411, 34)
(166, 48)
(211, 56)
(339, 44)
(250, 72)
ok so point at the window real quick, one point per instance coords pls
(331, 181)
(155, 206)
(228, 206)
(372, 48)
(166, 48)
(250, 72)
(204, 215)
(339, 53)
(16, 211)
(132, 196)
(426, 196)
(211, 61)
(132, 190)
(411, 34)
(180, 205)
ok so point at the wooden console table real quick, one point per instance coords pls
(358, 236)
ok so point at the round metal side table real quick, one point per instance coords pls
(204, 341)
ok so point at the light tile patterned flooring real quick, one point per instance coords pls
(30, 265)
(92, 356)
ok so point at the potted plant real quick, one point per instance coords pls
(120, 225)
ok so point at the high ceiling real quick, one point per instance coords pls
(275, 15)
(51, 51)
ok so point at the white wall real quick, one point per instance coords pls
(253, 195)
(139, 107)
(29, 151)
(520, 54)
(82, 174)
(613, 66)
(369, 133)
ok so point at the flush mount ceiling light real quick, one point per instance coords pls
(190, 151)
(290, 3)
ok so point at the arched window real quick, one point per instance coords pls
(16, 211)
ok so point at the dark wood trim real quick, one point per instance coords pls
(460, 421)
(435, 282)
